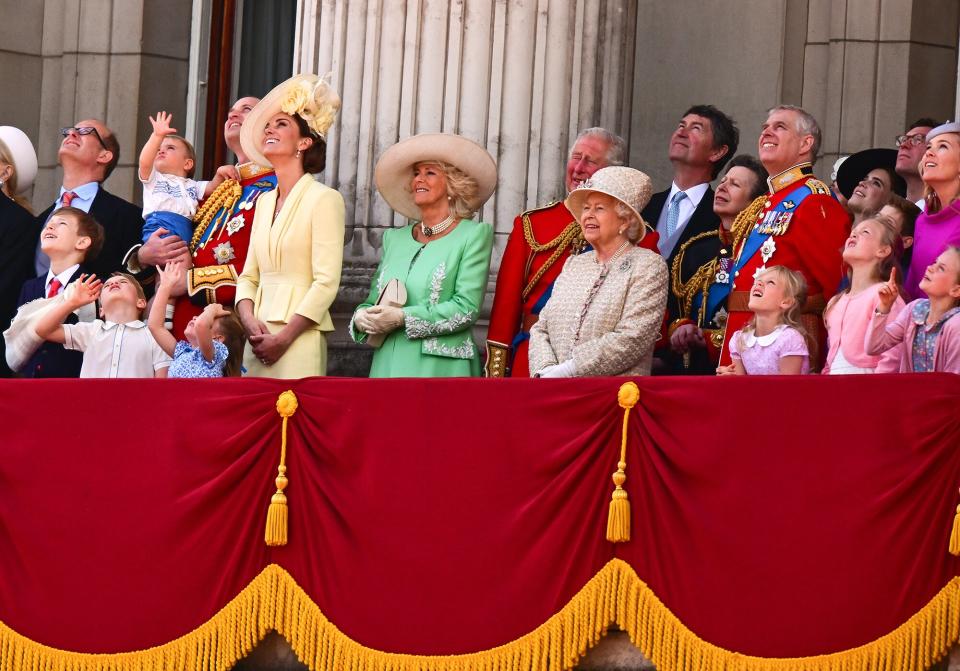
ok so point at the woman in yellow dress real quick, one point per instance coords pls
(292, 271)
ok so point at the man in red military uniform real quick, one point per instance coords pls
(798, 224)
(222, 229)
(538, 246)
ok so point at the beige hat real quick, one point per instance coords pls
(307, 96)
(395, 168)
(628, 185)
(18, 146)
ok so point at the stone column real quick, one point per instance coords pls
(869, 70)
(496, 71)
(116, 60)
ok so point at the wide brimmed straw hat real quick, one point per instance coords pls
(24, 157)
(308, 96)
(627, 185)
(858, 165)
(395, 168)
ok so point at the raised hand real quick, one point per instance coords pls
(172, 274)
(888, 293)
(87, 290)
(225, 172)
(161, 125)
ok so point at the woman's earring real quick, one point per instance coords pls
(622, 230)
(298, 154)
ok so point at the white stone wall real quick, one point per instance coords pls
(518, 76)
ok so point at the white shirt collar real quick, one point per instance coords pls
(135, 324)
(751, 338)
(85, 192)
(694, 193)
(64, 277)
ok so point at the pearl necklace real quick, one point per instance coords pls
(430, 231)
(613, 257)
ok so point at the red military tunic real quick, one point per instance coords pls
(537, 248)
(812, 244)
(220, 250)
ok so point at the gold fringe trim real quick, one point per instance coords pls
(274, 601)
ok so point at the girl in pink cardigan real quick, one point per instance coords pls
(870, 253)
(928, 328)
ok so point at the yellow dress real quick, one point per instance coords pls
(293, 267)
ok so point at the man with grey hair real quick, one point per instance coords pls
(541, 241)
(798, 224)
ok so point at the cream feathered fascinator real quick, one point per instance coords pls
(307, 96)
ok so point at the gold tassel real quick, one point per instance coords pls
(276, 531)
(955, 534)
(618, 520)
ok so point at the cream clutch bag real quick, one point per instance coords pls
(394, 295)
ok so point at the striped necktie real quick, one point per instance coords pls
(673, 213)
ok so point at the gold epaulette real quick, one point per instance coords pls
(540, 208)
(223, 198)
(817, 187)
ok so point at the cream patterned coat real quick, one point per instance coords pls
(621, 324)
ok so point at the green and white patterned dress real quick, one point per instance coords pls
(445, 281)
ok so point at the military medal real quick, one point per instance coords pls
(723, 271)
(235, 224)
(767, 249)
(759, 271)
(224, 252)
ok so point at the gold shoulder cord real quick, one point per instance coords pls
(224, 196)
(559, 244)
(705, 275)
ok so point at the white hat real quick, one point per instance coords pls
(307, 96)
(18, 146)
(394, 170)
(628, 185)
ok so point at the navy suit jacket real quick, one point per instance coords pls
(122, 226)
(52, 359)
(702, 220)
(17, 245)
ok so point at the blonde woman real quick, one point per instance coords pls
(438, 180)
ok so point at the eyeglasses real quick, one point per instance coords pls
(83, 130)
(911, 140)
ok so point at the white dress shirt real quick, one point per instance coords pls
(115, 350)
(64, 277)
(687, 207)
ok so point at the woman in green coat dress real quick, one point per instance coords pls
(442, 259)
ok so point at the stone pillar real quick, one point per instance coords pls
(496, 71)
(117, 60)
(870, 69)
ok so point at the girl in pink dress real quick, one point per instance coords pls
(870, 253)
(926, 333)
(774, 342)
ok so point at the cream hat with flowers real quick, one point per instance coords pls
(394, 170)
(19, 148)
(307, 96)
(627, 185)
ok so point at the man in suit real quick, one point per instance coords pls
(88, 154)
(704, 140)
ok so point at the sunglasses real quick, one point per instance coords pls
(83, 130)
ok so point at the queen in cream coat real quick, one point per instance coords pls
(607, 305)
(292, 271)
(293, 267)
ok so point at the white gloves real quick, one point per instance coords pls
(565, 369)
(378, 319)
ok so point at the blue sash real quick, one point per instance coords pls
(778, 216)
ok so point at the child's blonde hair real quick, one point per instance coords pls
(889, 237)
(795, 287)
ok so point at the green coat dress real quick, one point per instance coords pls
(445, 281)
